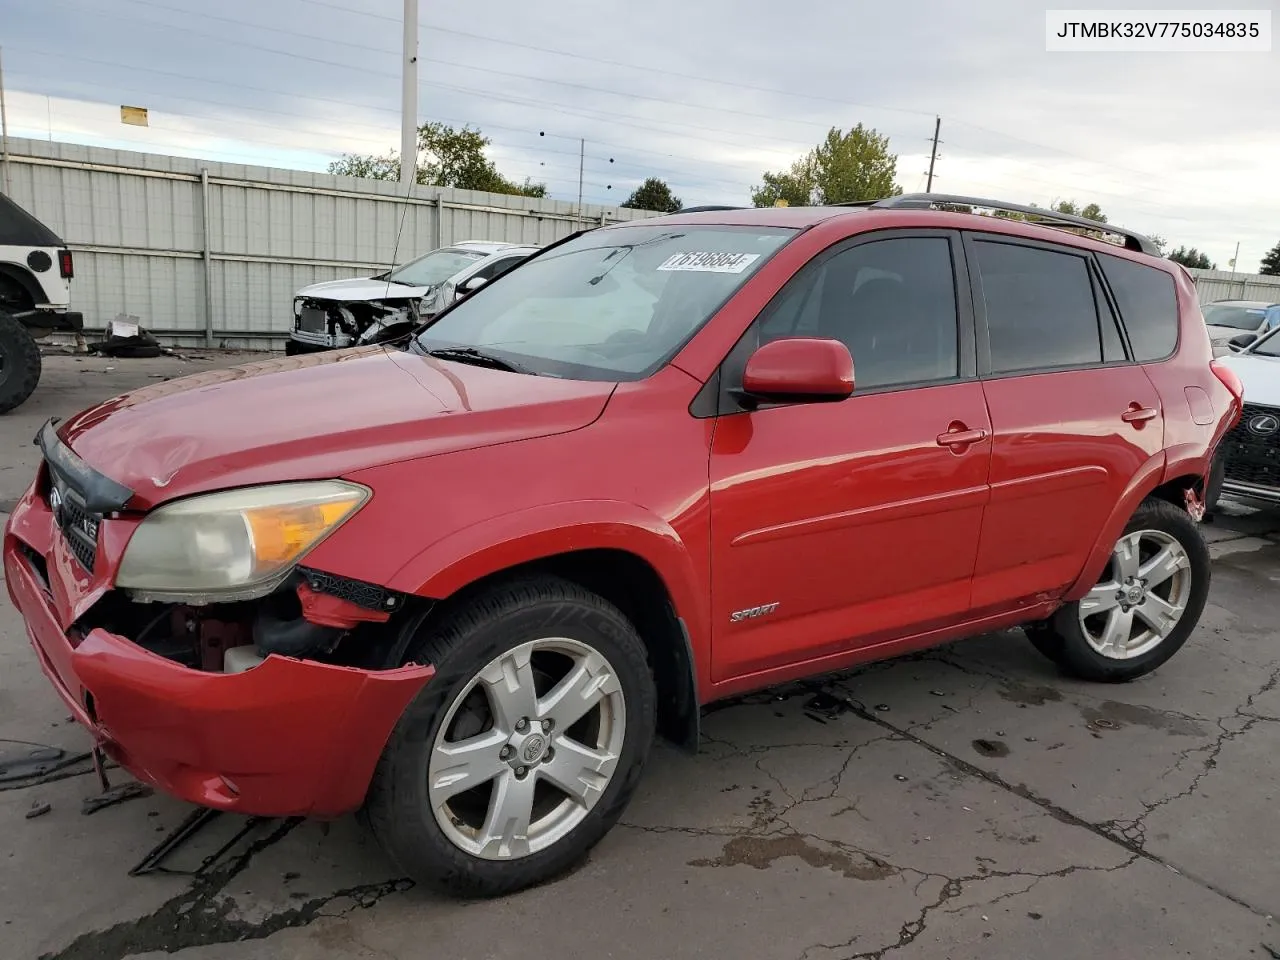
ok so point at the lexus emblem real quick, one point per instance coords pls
(55, 502)
(1264, 424)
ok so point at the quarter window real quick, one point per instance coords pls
(1148, 306)
(1040, 308)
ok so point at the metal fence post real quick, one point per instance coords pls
(439, 231)
(208, 259)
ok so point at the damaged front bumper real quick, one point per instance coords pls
(288, 737)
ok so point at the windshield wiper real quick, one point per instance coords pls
(478, 358)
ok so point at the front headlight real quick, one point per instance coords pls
(233, 545)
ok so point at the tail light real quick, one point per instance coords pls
(65, 265)
(1232, 382)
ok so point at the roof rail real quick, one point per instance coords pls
(1043, 216)
(709, 208)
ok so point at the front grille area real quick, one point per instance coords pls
(313, 320)
(1251, 455)
(78, 525)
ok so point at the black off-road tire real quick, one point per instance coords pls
(1062, 639)
(398, 810)
(20, 363)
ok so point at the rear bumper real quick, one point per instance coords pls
(286, 738)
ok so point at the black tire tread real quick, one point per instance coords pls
(22, 363)
(387, 798)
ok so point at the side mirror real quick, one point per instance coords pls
(1242, 341)
(471, 286)
(799, 370)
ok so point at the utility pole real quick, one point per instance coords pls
(933, 156)
(409, 97)
(4, 133)
(582, 159)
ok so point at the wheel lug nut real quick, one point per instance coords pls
(521, 771)
(549, 755)
(547, 725)
(504, 753)
(522, 724)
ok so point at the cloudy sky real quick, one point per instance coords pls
(706, 95)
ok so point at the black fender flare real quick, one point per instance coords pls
(23, 278)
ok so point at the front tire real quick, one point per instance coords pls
(524, 748)
(1145, 605)
(20, 363)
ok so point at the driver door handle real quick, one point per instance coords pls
(1139, 415)
(961, 438)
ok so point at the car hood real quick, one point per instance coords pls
(316, 416)
(1260, 376)
(361, 289)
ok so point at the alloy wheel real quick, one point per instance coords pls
(1141, 597)
(526, 749)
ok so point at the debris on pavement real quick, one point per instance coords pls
(34, 763)
(38, 809)
(119, 794)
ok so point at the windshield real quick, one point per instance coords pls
(613, 304)
(1236, 317)
(1268, 346)
(435, 268)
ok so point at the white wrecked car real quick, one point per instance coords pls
(363, 310)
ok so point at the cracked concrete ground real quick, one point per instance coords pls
(967, 802)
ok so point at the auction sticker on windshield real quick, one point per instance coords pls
(710, 262)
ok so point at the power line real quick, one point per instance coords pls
(815, 97)
(546, 104)
(720, 109)
(738, 85)
(374, 109)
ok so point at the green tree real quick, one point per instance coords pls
(1271, 262)
(1192, 258)
(1158, 241)
(1090, 212)
(843, 168)
(654, 194)
(794, 187)
(447, 157)
(367, 167)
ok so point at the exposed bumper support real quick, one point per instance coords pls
(286, 738)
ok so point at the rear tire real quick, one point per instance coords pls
(1146, 603)
(20, 363)
(452, 801)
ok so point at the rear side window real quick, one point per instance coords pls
(1040, 308)
(1148, 306)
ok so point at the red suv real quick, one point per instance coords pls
(461, 583)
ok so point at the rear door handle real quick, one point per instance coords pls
(1136, 414)
(961, 438)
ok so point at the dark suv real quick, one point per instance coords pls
(634, 475)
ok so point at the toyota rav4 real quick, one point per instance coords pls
(655, 465)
